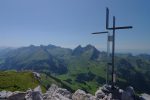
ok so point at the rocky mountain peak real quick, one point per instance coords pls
(78, 50)
(89, 50)
(89, 46)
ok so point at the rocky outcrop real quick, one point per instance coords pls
(56, 93)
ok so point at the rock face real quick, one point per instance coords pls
(56, 93)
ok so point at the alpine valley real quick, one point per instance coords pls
(82, 67)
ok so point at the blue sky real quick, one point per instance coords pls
(68, 23)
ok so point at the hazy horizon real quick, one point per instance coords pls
(124, 51)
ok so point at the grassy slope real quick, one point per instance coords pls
(17, 81)
(21, 81)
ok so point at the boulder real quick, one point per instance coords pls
(145, 96)
(106, 88)
(17, 96)
(64, 92)
(81, 95)
(36, 94)
(5, 94)
(99, 94)
(36, 75)
(55, 93)
(50, 91)
(128, 94)
(130, 90)
(57, 97)
(38, 89)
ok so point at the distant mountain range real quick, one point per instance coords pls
(50, 58)
(82, 67)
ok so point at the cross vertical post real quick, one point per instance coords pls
(113, 54)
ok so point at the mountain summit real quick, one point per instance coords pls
(89, 51)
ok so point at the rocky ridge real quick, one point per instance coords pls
(56, 93)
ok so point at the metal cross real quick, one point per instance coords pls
(112, 39)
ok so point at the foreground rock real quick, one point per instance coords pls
(56, 93)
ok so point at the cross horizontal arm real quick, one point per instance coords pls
(100, 32)
(124, 27)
